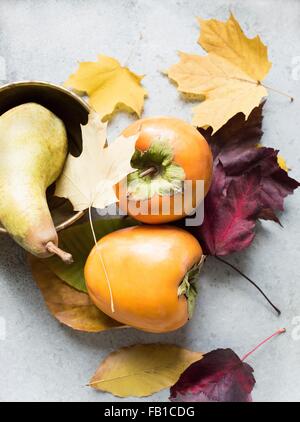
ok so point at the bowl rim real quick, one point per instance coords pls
(79, 214)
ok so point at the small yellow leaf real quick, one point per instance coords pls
(89, 180)
(282, 163)
(68, 305)
(227, 89)
(142, 370)
(227, 40)
(109, 86)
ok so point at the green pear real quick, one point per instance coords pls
(33, 149)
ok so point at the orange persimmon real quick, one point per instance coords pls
(151, 270)
(169, 152)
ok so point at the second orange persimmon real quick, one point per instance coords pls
(169, 152)
(151, 272)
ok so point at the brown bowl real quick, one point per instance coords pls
(72, 110)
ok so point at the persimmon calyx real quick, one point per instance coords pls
(188, 288)
(165, 177)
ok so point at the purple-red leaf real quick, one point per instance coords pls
(237, 131)
(275, 185)
(220, 376)
(248, 184)
(230, 213)
(268, 214)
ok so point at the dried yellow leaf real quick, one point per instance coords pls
(227, 89)
(227, 40)
(228, 79)
(142, 370)
(109, 86)
(68, 305)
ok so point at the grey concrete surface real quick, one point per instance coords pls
(42, 360)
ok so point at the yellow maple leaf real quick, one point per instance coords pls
(227, 40)
(109, 86)
(228, 79)
(142, 369)
(227, 89)
(89, 180)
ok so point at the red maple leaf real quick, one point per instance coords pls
(276, 184)
(220, 376)
(248, 184)
(230, 212)
(237, 131)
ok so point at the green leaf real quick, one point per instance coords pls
(78, 240)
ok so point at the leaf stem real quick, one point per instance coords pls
(281, 331)
(276, 90)
(64, 256)
(250, 281)
(259, 83)
(101, 260)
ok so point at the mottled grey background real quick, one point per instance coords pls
(42, 360)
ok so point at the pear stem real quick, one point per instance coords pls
(64, 256)
(250, 281)
(150, 170)
(281, 331)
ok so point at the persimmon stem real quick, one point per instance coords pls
(150, 170)
(101, 260)
(250, 281)
(276, 90)
(281, 331)
(64, 256)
